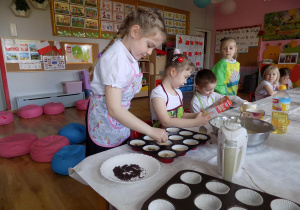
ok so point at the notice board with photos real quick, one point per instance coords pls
(21, 55)
(102, 18)
(247, 43)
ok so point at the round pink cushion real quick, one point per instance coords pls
(53, 108)
(6, 117)
(16, 145)
(82, 104)
(30, 111)
(43, 149)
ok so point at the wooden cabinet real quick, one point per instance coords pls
(144, 65)
(158, 58)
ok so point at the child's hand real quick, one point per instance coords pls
(160, 135)
(203, 119)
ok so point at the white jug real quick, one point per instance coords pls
(232, 147)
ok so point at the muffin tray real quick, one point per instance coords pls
(190, 189)
(180, 141)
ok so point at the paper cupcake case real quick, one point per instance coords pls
(191, 190)
(180, 142)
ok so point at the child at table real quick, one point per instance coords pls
(115, 79)
(166, 99)
(205, 96)
(227, 70)
(269, 84)
(284, 79)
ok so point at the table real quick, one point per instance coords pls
(272, 167)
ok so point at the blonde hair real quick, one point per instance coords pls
(270, 69)
(179, 62)
(228, 39)
(146, 19)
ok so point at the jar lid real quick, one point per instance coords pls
(282, 87)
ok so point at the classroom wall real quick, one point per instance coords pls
(38, 26)
(248, 13)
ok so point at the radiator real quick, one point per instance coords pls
(68, 100)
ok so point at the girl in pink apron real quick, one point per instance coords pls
(116, 79)
(166, 99)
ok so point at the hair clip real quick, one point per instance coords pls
(180, 59)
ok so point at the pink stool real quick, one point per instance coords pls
(16, 145)
(30, 111)
(53, 108)
(82, 104)
(6, 117)
(43, 149)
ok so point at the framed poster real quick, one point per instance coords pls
(91, 24)
(91, 12)
(106, 5)
(78, 54)
(91, 3)
(282, 25)
(62, 20)
(288, 58)
(105, 15)
(77, 10)
(62, 8)
(77, 22)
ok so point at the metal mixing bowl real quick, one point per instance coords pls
(258, 130)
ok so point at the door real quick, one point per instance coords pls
(206, 35)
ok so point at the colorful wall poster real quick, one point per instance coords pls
(282, 25)
(54, 62)
(78, 53)
(91, 12)
(77, 10)
(20, 51)
(91, 3)
(77, 22)
(62, 20)
(62, 8)
(91, 24)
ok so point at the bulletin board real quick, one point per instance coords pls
(102, 18)
(247, 43)
(16, 51)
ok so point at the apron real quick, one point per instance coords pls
(212, 100)
(176, 112)
(104, 130)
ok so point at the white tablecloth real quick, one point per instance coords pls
(273, 167)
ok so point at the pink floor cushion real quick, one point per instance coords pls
(6, 117)
(30, 111)
(53, 108)
(82, 104)
(16, 145)
(43, 149)
(67, 157)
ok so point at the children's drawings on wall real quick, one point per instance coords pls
(192, 47)
(282, 25)
(245, 37)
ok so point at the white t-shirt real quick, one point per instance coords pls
(261, 92)
(114, 68)
(289, 85)
(174, 100)
(213, 98)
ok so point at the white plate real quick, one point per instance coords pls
(150, 165)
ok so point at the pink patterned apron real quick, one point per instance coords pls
(104, 130)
